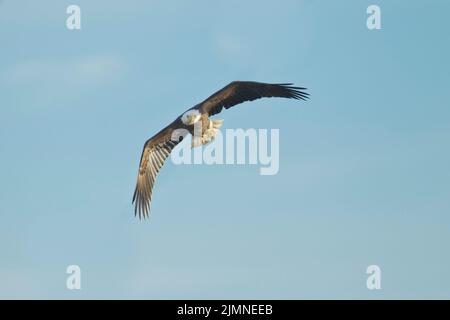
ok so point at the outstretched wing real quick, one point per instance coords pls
(156, 150)
(239, 91)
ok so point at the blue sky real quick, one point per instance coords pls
(363, 177)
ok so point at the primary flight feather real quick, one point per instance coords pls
(158, 148)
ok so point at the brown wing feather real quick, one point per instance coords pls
(156, 150)
(239, 91)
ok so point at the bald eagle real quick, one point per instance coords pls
(158, 148)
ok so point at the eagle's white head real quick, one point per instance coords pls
(190, 117)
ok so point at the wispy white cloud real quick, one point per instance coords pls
(18, 284)
(232, 50)
(46, 81)
(228, 45)
(89, 70)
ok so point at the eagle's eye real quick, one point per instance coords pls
(180, 139)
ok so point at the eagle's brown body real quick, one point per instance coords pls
(196, 121)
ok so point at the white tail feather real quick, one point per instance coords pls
(217, 123)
